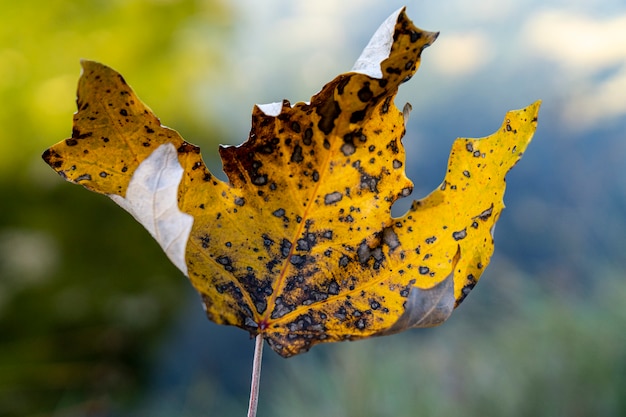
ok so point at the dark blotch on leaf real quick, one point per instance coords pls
(225, 262)
(298, 260)
(76, 134)
(340, 313)
(461, 234)
(390, 238)
(296, 156)
(471, 283)
(333, 198)
(357, 116)
(393, 146)
(281, 308)
(285, 248)
(303, 245)
(333, 287)
(365, 94)
(267, 241)
(328, 112)
(485, 214)
(360, 323)
(348, 147)
(308, 136)
(84, 177)
(385, 107)
(260, 180)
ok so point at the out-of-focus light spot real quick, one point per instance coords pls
(13, 66)
(460, 54)
(484, 10)
(71, 303)
(55, 96)
(578, 42)
(27, 257)
(584, 47)
(604, 102)
(136, 311)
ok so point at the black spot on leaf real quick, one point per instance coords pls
(461, 234)
(328, 112)
(296, 156)
(365, 94)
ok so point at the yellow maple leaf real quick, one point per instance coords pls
(300, 246)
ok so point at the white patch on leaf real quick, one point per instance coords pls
(274, 109)
(271, 109)
(378, 48)
(152, 199)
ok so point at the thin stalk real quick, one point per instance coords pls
(256, 376)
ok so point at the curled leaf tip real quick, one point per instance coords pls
(379, 49)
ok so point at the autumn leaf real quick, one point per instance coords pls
(299, 245)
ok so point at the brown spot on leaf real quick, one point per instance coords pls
(329, 111)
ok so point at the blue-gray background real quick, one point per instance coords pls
(94, 321)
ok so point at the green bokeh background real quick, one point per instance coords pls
(94, 321)
(85, 294)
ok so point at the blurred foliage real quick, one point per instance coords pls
(84, 292)
(78, 315)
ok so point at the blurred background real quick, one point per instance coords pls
(94, 321)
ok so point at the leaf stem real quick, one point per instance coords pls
(256, 376)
